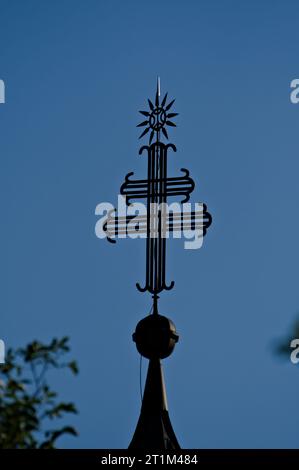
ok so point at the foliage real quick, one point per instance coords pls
(27, 403)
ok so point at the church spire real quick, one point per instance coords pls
(155, 339)
(155, 335)
(154, 429)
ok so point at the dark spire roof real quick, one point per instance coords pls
(154, 429)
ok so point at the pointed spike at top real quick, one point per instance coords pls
(157, 99)
(157, 92)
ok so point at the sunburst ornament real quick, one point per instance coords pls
(157, 116)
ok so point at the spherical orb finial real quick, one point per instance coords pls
(155, 336)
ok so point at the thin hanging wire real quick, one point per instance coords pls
(140, 367)
(140, 378)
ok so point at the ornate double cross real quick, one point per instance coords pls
(157, 222)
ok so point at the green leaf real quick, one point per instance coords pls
(74, 367)
(58, 410)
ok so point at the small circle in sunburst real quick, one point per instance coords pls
(157, 118)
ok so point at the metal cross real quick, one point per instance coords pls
(156, 189)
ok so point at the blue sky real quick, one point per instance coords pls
(76, 74)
